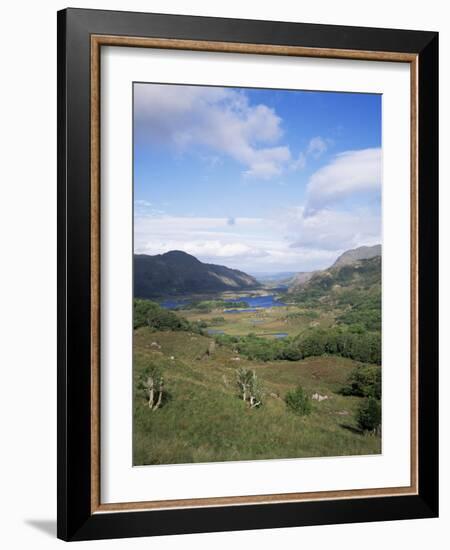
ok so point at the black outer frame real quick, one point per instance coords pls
(75, 521)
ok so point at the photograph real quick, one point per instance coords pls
(257, 274)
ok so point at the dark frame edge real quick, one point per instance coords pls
(73, 282)
(61, 278)
(250, 517)
(428, 214)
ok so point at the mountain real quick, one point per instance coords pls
(178, 273)
(281, 277)
(354, 289)
(300, 278)
(361, 253)
(358, 268)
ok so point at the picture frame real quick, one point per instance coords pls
(81, 36)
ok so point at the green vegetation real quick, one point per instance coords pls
(338, 286)
(364, 381)
(246, 394)
(204, 418)
(298, 401)
(306, 314)
(217, 320)
(314, 342)
(369, 416)
(362, 308)
(150, 314)
(207, 306)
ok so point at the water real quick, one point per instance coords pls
(281, 335)
(254, 302)
(258, 301)
(212, 331)
(241, 310)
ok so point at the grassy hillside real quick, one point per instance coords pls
(352, 291)
(204, 419)
(325, 341)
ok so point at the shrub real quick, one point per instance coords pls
(290, 352)
(206, 306)
(298, 401)
(369, 415)
(151, 314)
(364, 381)
(217, 320)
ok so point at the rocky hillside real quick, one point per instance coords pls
(179, 273)
(361, 253)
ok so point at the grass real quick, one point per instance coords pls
(204, 420)
(264, 322)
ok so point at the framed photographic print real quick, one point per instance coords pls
(247, 274)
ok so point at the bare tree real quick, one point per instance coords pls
(256, 393)
(151, 382)
(244, 379)
(250, 388)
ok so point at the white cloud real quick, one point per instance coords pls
(220, 119)
(300, 162)
(143, 207)
(142, 203)
(348, 174)
(211, 240)
(317, 147)
(289, 242)
(333, 230)
(222, 249)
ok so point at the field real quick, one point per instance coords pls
(267, 322)
(204, 419)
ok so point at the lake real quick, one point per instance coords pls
(266, 301)
(254, 302)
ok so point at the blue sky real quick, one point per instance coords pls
(259, 180)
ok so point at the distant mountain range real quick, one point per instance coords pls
(178, 273)
(280, 277)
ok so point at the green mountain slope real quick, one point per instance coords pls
(353, 289)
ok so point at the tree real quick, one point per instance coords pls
(250, 389)
(243, 378)
(364, 381)
(152, 315)
(298, 401)
(369, 416)
(151, 382)
(256, 392)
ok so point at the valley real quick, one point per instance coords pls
(321, 334)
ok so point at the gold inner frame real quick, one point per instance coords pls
(97, 41)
